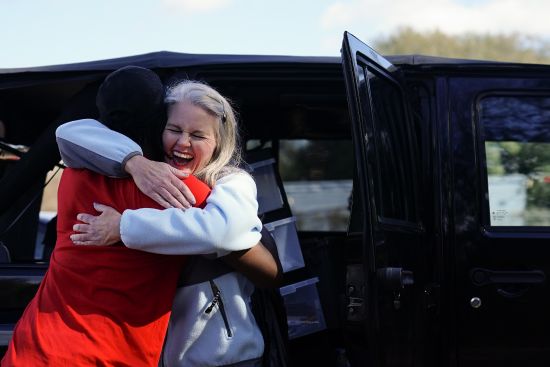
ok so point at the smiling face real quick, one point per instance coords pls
(189, 138)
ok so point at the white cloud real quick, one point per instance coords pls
(330, 45)
(378, 17)
(196, 6)
(337, 14)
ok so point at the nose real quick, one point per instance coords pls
(184, 139)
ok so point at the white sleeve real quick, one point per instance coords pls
(89, 144)
(229, 222)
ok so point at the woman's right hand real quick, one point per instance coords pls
(97, 230)
(160, 182)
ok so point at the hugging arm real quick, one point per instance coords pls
(260, 264)
(228, 222)
(89, 144)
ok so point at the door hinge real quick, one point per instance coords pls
(355, 293)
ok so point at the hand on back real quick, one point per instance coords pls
(101, 230)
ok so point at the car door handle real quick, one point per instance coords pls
(394, 278)
(481, 277)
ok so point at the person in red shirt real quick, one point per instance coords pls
(104, 306)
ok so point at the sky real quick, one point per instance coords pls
(48, 32)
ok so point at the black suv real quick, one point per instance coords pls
(419, 188)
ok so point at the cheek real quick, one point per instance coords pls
(210, 150)
(165, 141)
(207, 151)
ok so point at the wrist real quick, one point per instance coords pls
(131, 162)
(122, 229)
(118, 236)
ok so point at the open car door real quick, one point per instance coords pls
(386, 289)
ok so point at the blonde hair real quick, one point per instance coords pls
(226, 157)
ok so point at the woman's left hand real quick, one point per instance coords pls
(101, 230)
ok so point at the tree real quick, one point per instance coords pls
(513, 47)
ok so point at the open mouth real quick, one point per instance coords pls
(180, 159)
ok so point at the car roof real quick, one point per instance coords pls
(166, 59)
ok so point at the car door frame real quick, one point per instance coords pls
(383, 234)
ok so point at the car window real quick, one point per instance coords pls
(48, 212)
(516, 141)
(396, 172)
(317, 178)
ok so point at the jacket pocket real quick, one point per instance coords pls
(218, 301)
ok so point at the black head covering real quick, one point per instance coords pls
(130, 101)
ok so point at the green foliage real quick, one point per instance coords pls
(494, 162)
(499, 47)
(529, 159)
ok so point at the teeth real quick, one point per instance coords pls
(182, 155)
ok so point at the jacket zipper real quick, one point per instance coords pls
(217, 300)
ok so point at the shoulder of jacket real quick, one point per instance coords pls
(236, 176)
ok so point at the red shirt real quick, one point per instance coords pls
(98, 305)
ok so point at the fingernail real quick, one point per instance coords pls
(79, 217)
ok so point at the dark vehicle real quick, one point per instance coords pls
(419, 187)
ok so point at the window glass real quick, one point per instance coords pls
(48, 211)
(317, 178)
(516, 133)
(395, 152)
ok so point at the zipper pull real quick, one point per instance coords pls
(216, 298)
